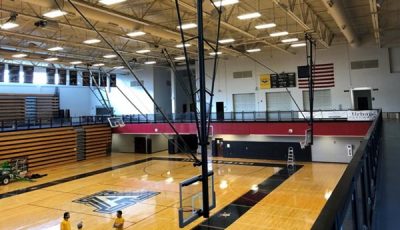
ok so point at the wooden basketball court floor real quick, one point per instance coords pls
(294, 204)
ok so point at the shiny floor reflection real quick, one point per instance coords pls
(296, 202)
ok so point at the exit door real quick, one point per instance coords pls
(362, 99)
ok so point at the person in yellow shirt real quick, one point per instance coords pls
(119, 221)
(65, 225)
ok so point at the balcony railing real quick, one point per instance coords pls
(268, 116)
(351, 203)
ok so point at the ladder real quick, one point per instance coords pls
(290, 159)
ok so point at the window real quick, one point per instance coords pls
(322, 100)
(73, 77)
(86, 79)
(28, 74)
(103, 79)
(113, 80)
(13, 73)
(278, 101)
(95, 79)
(62, 76)
(2, 67)
(51, 73)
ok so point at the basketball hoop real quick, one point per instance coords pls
(188, 209)
(116, 122)
(303, 144)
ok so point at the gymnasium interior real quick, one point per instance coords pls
(199, 114)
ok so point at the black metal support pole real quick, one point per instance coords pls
(189, 72)
(203, 112)
(310, 64)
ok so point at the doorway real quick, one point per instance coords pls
(362, 99)
(218, 147)
(220, 110)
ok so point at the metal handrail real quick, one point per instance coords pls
(264, 116)
(364, 162)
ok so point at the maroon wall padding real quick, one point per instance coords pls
(334, 128)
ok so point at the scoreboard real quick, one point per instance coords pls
(282, 80)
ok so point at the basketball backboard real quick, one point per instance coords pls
(191, 198)
(116, 122)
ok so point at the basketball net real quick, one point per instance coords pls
(303, 144)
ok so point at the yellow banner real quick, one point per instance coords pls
(265, 81)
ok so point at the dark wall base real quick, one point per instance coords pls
(265, 150)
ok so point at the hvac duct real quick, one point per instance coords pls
(336, 10)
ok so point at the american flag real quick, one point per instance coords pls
(323, 76)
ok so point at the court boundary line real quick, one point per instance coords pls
(108, 169)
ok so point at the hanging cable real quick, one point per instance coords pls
(179, 146)
(197, 161)
(215, 65)
(287, 90)
(189, 72)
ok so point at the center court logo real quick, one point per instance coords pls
(110, 201)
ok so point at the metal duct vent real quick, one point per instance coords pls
(243, 74)
(367, 64)
(136, 83)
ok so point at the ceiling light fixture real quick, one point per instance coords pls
(136, 33)
(225, 2)
(56, 48)
(75, 62)
(265, 26)
(150, 62)
(180, 58)
(111, 2)
(298, 44)
(118, 67)
(228, 40)
(213, 53)
(187, 26)
(249, 16)
(19, 55)
(98, 64)
(51, 59)
(91, 41)
(253, 50)
(288, 40)
(110, 56)
(278, 34)
(181, 45)
(8, 25)
(54, 13)
(143, 51)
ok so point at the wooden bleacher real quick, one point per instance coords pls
(97, 141)
(42, 147)
(54, 146)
